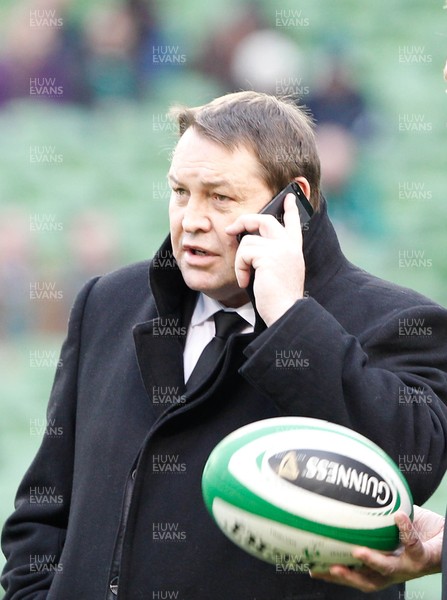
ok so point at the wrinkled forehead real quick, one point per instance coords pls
(201, 163)
(193, 136)
(197, 151)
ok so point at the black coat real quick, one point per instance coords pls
(377, 362)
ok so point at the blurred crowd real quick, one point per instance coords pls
(36, 293)
(106, 55)
(118, 52)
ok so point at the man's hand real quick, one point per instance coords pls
(421, 555)
(276, 255)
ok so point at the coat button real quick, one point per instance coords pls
(114, 586)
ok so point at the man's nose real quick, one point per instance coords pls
(195, 216)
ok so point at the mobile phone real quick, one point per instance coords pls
(276, 206)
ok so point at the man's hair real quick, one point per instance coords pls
(276, 130)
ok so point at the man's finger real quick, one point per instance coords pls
(377, 561)
(362, 579)
(265, 225)
(242, 269)
(252, 247)
(407, 533)
(292, 221)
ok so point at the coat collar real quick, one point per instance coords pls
(166, 283)
(322, 253)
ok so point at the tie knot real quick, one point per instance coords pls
(227, 323)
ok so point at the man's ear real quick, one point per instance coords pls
(304, 185)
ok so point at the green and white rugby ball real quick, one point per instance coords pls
(298, 491)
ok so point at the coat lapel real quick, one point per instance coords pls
(159, 342)
(159, 346)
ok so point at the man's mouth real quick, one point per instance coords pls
(195, 251)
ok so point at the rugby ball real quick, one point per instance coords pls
(300, 493)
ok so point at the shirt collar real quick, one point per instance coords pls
(206, 307)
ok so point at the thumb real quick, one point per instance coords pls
(408, 535)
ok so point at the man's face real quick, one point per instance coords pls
(211, 187)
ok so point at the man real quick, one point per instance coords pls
(126, 526)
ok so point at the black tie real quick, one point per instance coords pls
(226, 324)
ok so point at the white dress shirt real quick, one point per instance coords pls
(202, 329)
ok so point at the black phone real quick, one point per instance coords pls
(276, 206)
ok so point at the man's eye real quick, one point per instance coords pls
(221, 197)
(179, 191)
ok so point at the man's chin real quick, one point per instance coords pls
(233, 297)
(208, 290)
